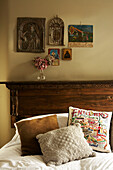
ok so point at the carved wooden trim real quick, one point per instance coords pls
(14, 102)
(13, 120)
(58, 84)
(13, 106)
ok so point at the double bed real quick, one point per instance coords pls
(29, 99)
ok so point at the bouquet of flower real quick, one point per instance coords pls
(40, 63)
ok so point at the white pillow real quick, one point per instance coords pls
(62, 121)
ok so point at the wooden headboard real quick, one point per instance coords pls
(46, 97)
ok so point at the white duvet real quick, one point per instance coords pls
(11, 159)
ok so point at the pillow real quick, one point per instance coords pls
(62, 119)
(28, 129)
(63, 145)
(95, 125)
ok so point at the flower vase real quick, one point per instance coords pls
(41, 75)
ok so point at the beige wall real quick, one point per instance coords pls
(5, 131)
(87, 63)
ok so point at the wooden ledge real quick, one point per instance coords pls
(56, 84)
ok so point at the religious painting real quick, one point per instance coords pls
(80, 35)
(55, 52)
(66, 54)
(31, 35)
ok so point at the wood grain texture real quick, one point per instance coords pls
(37, 98)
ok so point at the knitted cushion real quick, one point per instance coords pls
(64, 145)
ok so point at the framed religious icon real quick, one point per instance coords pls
(31, 35)
(56, 31)
(55, 52)
(66, 54)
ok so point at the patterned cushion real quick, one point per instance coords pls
(63, 145)
(95, 125)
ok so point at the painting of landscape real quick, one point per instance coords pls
(80, 35)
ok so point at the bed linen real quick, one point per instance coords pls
(11, 159)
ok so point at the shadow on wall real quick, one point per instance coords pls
(23, 72)
(27, 72)
(6, 133)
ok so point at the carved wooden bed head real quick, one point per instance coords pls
(47, 97)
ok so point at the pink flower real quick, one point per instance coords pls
(40, 63)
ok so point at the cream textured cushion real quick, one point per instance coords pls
(63, 145)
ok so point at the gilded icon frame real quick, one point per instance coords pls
(66, 54)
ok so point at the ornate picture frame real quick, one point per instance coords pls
(66, 54)
(31, 35)
(56, 32)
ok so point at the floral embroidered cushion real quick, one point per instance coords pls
(95, 125)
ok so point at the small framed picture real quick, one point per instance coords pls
(55, 52)
(66, 54)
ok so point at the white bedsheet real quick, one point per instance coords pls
(10, 158)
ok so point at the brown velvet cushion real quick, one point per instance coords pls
(28, 130)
